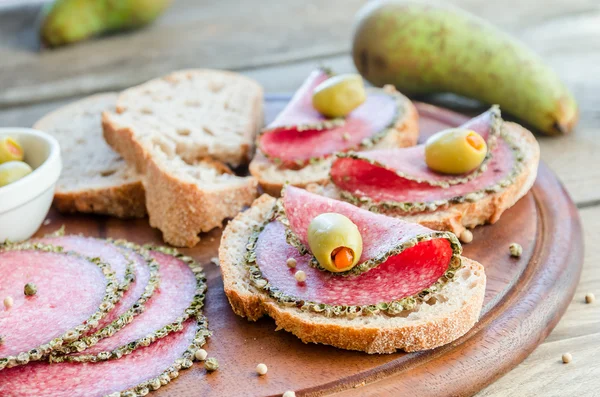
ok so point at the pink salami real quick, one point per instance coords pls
(143, 370)
(95, 248)
(140, 285)
(164, 312)
(402, 176)
(300, 133)
(73, 294)
(403, 258)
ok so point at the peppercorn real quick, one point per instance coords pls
(211, 364)
(30, 289)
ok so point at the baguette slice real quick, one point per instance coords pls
(174, 131)
(272, 178)
(94, 178)
(457, 217)
(446, 316)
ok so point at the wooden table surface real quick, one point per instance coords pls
(277, 43)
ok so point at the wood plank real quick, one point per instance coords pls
(233, 35)
(225, 34)
(543, 373)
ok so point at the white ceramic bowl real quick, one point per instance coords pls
(24, 203)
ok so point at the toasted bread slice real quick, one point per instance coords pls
(456, 217)
(176, 131)
(94, 179)
(272, 177)
(446, 316)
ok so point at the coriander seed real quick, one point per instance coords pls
(289, 393)
(300, 276)
(291, 262)
(8, 302)
(590, 298)
(200, 354)
(261, 369)
(566, 358)
(466, 236)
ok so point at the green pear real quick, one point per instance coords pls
(69, 21)
(424, 48)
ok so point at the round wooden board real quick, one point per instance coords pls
(524, 300)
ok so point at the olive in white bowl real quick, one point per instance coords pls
(25, 201)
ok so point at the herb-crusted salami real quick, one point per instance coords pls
(300, 134)
(73, 294)
(399, 179)
(135, 375)
(401, 262)
(141, 280)
(181, 295)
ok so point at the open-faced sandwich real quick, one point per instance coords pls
(460, 178)
(330, 114)
(333, 273)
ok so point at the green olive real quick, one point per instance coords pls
(339, 95)
(10, 150)
(455, 151)
(335, 241)
(13, 171)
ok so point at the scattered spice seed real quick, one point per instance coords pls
(289, 393)
(566, 358)
(30, 289)
(589, 298)
(200, 354)
(8, 302)
(291, 262)
(211, 364)
(346, 136)
(300, 276)
(261, 369)
(515, 250)
(466, 236)
(215, 260)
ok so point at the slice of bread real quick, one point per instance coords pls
(272, 177)
(456, 217)
(94, 178)
(200, 113)
(446, 316)
(175, 130)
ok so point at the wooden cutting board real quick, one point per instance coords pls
(524, 300)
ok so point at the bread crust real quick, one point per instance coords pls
(457, 217)
(248, 302)
(123, 201)
(271, 178)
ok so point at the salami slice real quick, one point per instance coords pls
(300, 133)
(399, 178)
(96, 248)
(142, 269)
(73, 295)
(180, 295)
(135, 375)
(404, 260)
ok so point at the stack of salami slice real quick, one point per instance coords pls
(108, 317)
